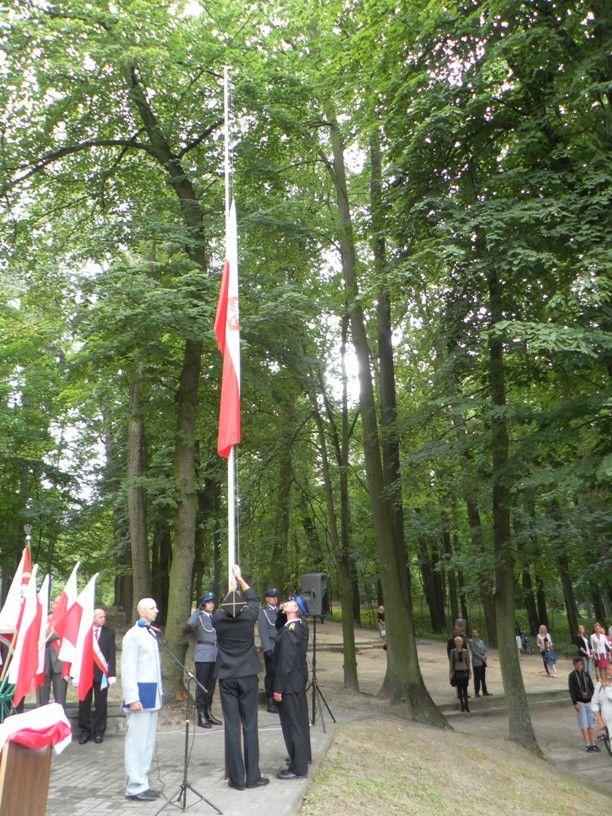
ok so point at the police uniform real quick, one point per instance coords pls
(268, 632)
(200, 624)
(290, 680)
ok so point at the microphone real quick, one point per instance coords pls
(144, 625)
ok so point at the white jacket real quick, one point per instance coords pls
(601, 703)
(140, 664)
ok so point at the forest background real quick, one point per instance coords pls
(423, 194)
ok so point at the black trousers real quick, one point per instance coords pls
(239, 699)
(206, 675)
(479, 679)
(98, 726)
(295, 732)
(269, 678)
(306, 720)
(462, 679)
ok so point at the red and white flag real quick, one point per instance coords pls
(24, 665)
(37, 728)
(227, 331)
(86, 650)
(65, 620)
(10, 612)
(43, 602)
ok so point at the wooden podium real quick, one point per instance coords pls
(24, 780)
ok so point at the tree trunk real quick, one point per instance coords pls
(136, 497)
(563, 566)
(280, 545)
(450, 573)
(162, 547)
(530, 603)
(216, 538)
(405, 679)
(541, 602)
(519, 719)
(179, 599)
(437, 570)
(345, 581)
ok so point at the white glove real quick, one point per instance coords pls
(111, 681)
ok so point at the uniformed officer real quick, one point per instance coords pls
(266, 626)
(201, 625)
(289, 690)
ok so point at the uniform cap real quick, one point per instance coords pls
(210, 596)
(272, 593)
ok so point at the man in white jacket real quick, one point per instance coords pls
(142, 697)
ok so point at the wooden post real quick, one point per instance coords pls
(24, 780)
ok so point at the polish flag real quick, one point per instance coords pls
(43, 602)
(42, 726)
(227, 331)
(86, 650)
(10, 612)
(24, 665)
(65, 619)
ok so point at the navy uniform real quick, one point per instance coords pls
(268, 632)
(200, 624)
(290, 675)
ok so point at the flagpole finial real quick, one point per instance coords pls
(27, 529)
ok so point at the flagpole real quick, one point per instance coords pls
(231, 461)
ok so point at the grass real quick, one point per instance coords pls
(383, 765)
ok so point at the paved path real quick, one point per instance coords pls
(87, 780)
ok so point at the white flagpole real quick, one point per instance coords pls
(231, 462)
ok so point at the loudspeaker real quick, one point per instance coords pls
(314, 592)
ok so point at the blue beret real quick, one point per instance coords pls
(302, 605)
(210, 596)
(272, 593)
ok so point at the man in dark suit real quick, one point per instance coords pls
(105, 637)
(289, 688)
(52, 667)
(237, 668)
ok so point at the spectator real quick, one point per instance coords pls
(584, 648)
(381, 622)
(459, 671)
(478, 653)
(599, 650)
(581, 692)
(450, 643)
(543, 639)
(461, 624)
(601, 702)
(550, 656)
(519, 637)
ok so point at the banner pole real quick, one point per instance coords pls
(231, 461)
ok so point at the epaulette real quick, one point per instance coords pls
(291, 626)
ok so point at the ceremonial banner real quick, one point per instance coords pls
(43, 603)
(227, 331)
(81, 670)
(65, 620)
(9, 614)
(42, 726)
(24, 665)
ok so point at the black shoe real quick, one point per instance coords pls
(477, 694)
(202, 721)
(287, 774)
(84, 738)
(467, 710)
(235, 785)
(145, 796)
(589, 749)
(263, 780)
(595, 748)
(98, 738)
(208, 717)
(487, 694)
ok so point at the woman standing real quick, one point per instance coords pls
(599, 650)
(601, 701)
(584, 649)
(460, 672)
(543, 640)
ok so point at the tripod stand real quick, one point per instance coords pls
(317, 694)
(179, 797)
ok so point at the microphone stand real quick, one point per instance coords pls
(180, 795)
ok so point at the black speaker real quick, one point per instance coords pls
(314, 592)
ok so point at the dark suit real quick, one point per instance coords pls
(237, 668)
(290, 675)
(53, 675)
(106, 642)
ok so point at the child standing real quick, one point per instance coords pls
(550, 657)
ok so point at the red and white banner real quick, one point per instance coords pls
(43, 602)
(86, 650)
(227, 331)
(10, 612)
(42, 726)
(24, 665)
(65, 620)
